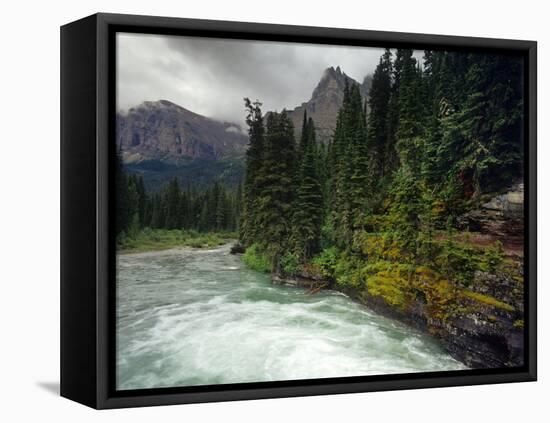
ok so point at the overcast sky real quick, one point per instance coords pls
(211, 76)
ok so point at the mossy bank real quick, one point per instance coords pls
(473, 303)
(481, 326)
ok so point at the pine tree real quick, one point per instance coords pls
(380, 93)
(141, 200)
(406, 189)
(122, 206)
(348, 184)
(340, 163)
(491, 122)
(172, 201)
(304, 137)
(132, 207)
(238, 207)
(360, 184)
(276, 186)
(308, 208)
(411, 115)
(219, 203)
(250, 229)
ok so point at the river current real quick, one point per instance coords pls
(199, 317)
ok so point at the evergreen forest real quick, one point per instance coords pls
(377, 209)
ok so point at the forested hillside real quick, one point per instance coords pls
(176, 215)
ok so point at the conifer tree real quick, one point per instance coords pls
(348, 183)
(378, 123)
(158, 219)
(339, 216)
(490, 122)
(250, 230)
(277, 175)
(360, 184)
(411, 115)
(172, 201)
(238, 207)
(308, 208)
(141, 200)
(122, 206)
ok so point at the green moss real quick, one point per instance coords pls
(492, 258)
(391, 286)
(513, 268)
(518, 324)
(378, 246)
(440, 294)
(487, 300)
(379, 265)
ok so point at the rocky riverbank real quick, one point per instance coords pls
(479, 323)
(478, 329)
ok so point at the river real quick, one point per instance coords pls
(199, 317)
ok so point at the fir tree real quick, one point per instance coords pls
(378, 123)
(276, 186)
(122, 206)
(308, 207)
(250, 229)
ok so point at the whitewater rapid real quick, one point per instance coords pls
(199, 317)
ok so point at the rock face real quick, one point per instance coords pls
(501, 218)
(325, 102)
(163, 131)
(482, 336)
(485, 332)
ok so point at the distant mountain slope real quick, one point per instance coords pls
(197, 173)
(163, 131)
(160, 140)
(325, 102)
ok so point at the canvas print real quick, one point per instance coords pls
(290, 211)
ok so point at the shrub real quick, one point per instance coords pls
(494, 255)
(391, 285)
(289, 264)
(457, 261)
(196, 242)
(347, 270)
(326, 261)
(257, 260)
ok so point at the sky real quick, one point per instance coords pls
(211, 76)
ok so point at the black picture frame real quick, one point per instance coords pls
(87, 240)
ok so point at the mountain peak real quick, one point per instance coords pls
(157, 104)
(332, 84)
(164, 131)
(326, 100)
(332, 73)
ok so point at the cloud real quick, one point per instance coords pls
(211, 76)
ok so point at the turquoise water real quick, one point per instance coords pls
(199, 317)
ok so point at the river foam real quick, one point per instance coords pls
(199, 317)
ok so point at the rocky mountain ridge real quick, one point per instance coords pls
(160, 140)
(325, 101)
(166, 132)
